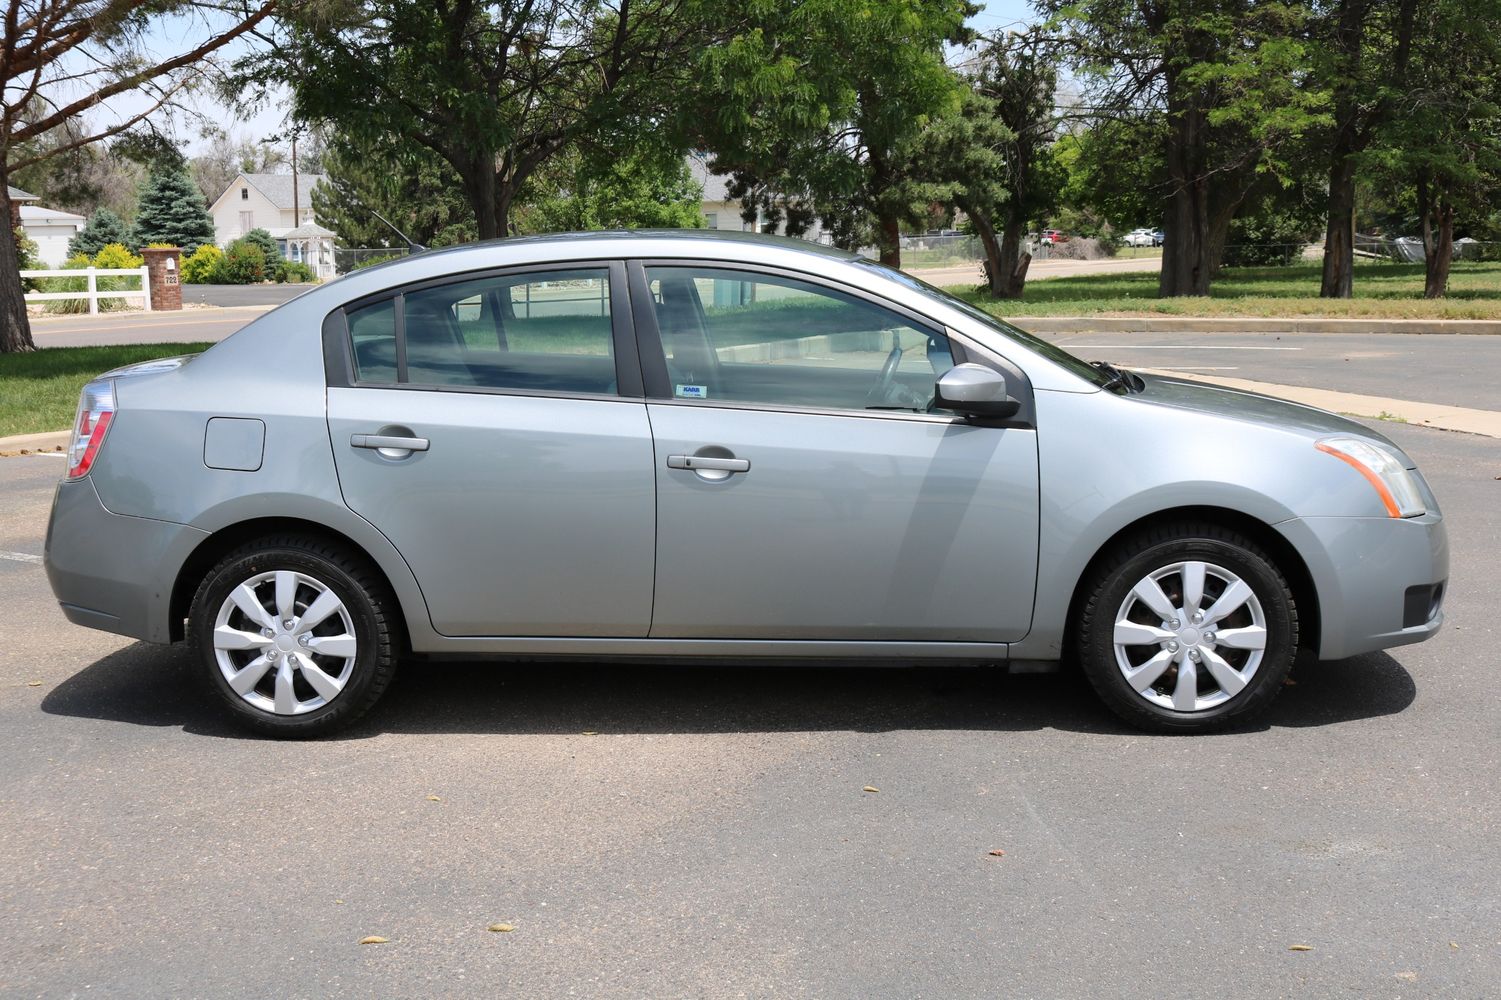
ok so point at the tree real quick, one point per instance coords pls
(1443, 138)
(407, 183)
(103, 228)
(60, 58)
(1227, 78)
(823, 106)
(493, 87)
(1014, 85)
(226, 155)
(172, 210)
(1365, 51)
(641, 189)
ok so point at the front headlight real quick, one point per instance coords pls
(1382, 468)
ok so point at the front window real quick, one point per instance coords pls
(1037, 345)
(747, 337)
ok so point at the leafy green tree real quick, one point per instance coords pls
(102, 228)
(494, 87)
(823, 106)
(1228, 79)
(1442, 142)
(640, 190)
(172, 210)
(60, 59)
(407, 183)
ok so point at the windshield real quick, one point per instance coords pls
(1052, 352)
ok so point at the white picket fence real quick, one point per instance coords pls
(92, 292)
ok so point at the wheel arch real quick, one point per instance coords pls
(1283, 553)
(230, 537)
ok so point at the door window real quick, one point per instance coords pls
(545, 331)
(746, 337)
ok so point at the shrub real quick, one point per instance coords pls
(200, 268)
(260, 238)
(26, 258)
(77, 262)
(294, 271)
(372, 261)
(115, 255)
(244, 264)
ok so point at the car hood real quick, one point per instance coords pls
(1254, 407)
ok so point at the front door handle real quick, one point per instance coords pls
(387, 444)
(706, 463)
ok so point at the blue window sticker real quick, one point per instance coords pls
(691, 391)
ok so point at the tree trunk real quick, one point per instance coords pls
(890, 236)
(479, 187)
(15, 328)
(1014, 262)
(1438, 239)
(1339, 236)
(1185, 260)
(994, 272)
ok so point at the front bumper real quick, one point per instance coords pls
(112, 572)
(1380, 580)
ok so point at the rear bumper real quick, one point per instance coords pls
(112, 572)
(1380, 580)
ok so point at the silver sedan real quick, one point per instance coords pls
(713, 446)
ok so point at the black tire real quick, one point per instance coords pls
(365, 597)
(1137, 557)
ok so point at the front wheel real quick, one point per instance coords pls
(294, 635)
(1187, 629)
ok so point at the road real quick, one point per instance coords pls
(683, 831)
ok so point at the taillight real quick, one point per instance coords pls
(96, 408)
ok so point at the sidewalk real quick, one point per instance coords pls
(1248, 324)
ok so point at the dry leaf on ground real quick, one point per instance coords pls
(1300, 947)
(373, 939)
(433, 798)
(870, 788)
(502, 928)
(998, 853)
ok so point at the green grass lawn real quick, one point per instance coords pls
(39, 391)
(1383, 290)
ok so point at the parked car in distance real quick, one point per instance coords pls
(1144, 238)
(715, 446)
(1053, 236)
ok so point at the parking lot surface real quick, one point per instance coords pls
(657, 831)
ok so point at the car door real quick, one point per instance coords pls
(804, 488)
(493, 429)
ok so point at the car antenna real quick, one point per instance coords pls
(412, 245)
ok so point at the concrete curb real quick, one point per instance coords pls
(18, 444)
(1436, 415)
(1232, 324)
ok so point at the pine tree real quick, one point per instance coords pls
(103, 228)
(172, 211)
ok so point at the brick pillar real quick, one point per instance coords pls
(165, 267)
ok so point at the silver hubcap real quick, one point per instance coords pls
(284, 642)
(1190, 636)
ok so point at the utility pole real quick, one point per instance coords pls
(296, 210)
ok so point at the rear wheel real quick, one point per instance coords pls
(1187, 628)
(294, 635)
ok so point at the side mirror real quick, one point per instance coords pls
(975, 391)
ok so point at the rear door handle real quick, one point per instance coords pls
(384, 441)
(704, 463)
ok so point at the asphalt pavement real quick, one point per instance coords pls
(243, 295)
(689, 831)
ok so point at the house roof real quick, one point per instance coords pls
(278, 187)
(716, 186)
(16, 194)
(36, 213)
(308, 230)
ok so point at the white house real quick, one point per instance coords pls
(723, 212)
(263, 201)
(50, 230)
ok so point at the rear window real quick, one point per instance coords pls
(547, 331)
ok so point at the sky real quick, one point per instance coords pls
(176, 35)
